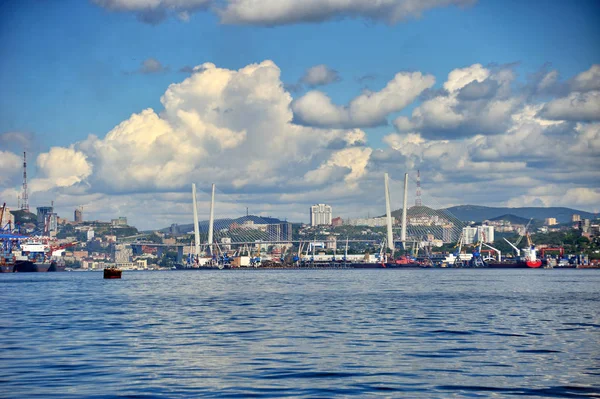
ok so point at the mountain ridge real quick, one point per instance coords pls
(478, 213)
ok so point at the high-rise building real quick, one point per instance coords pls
(449, 233)
(280, 231)
(42, 213)
(51, 224)
(485, 234)
(469, 234)
(78, 217)
(550, 221)
(320, 214)
(576, 218)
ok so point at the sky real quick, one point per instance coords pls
(122, 104)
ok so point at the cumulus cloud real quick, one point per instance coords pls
(279, 12)
(60, 167)
(475, 100)
(217, 125)
(320, 75)
(587, 80)
(576, 107)
(235, 128)
(353, 160)
(368, 109)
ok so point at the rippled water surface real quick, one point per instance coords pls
(317, 333)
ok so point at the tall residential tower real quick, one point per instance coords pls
(320, 214)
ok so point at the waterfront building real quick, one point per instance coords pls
(280, 231)
(469, 234)
(485, 234)
(320, 214)
(123, 253)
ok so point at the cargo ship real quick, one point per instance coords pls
(20, 254)
(405, 262)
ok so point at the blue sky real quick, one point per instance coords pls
(72, 68)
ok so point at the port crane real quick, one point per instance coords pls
(525, 233)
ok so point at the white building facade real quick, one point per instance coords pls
(320, 214)
(469, 234)
(472, 235)
(485, 234)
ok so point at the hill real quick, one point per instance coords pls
(416, 211)
(480, 213)
(512, 219)
(24, 217)
(225, 223)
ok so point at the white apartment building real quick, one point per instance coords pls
(320, 214)
(469, 234)
(472, 235)
(485, 233)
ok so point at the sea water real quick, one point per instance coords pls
(301, 333)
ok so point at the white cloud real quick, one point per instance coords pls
(234, 128)
(320, 75)
(548, 81)
(476, 100)
(460, 77)
(587, 80)
(155, 11)
(280, 12)
(353, 159)
(10, 167)
(576, 107)
(368, 109)
(60, 167)
(218, 125)
(559, 195)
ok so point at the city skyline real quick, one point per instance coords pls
(121, 105)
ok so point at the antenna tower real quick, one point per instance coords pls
(24, 196)
(418, 198)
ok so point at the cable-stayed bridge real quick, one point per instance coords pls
(426, 222)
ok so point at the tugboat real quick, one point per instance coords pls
(112, 272)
